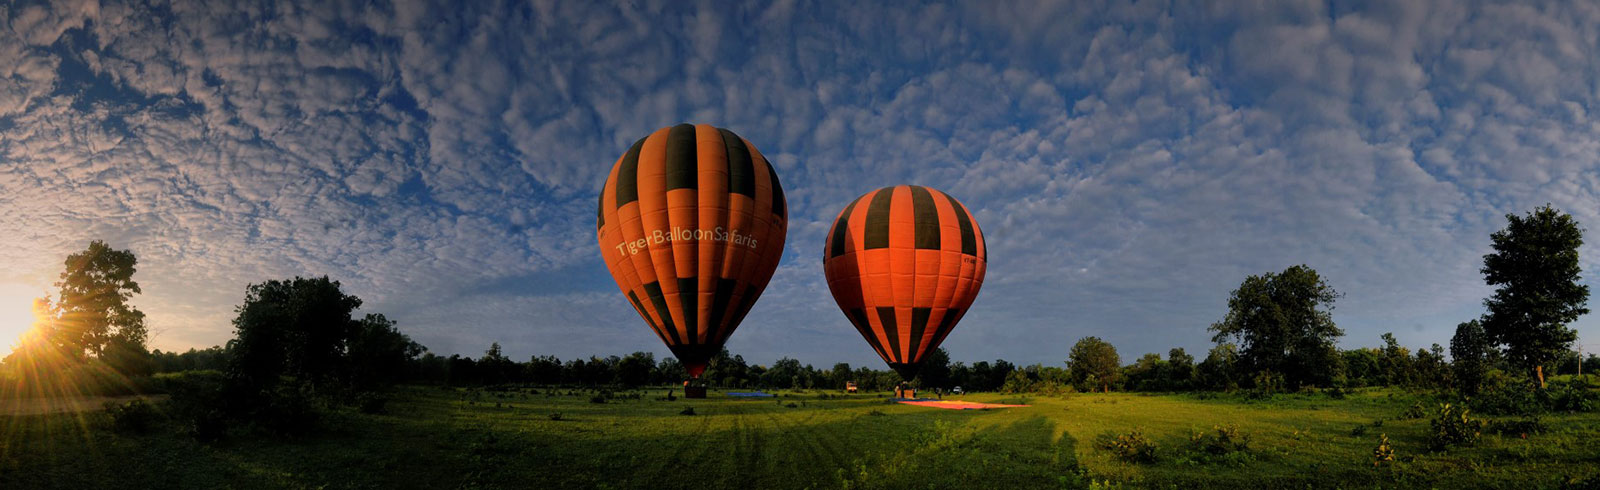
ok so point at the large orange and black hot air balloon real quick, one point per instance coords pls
(692, 223)
(905, 263)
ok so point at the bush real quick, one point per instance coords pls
(1572, 395)
(372, 403)
(687, 411)
(1452, 426)
(1220, 440)
(1132, 446)
(1414, 412)
(1507, 395)
(133, 417)
(288, 411)
(597, 399)
(555, 416)
(1384, 453)
(1530, 424)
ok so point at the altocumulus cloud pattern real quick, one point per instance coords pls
(1130, 162)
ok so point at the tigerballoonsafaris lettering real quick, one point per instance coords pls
(658, 237)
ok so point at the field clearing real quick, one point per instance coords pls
(445, 438)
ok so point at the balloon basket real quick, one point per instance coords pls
(907, 393)
(694, 392)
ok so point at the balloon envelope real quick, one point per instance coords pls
(691, 224)
(905, 263)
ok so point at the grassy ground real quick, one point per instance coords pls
(437, 438)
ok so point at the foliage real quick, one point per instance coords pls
(93, 317)
(1220, 369)
(1452, 426)
(1283, 323)
(1535, 270)
(1222, 439)
(1132, 446)
(1471, 354)
(1093, 364)
(1522, 427)
(1384, 453)
(297, 328)
(134, 416)
(378, 353)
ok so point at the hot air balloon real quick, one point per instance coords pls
(691, 224)
(905, 263)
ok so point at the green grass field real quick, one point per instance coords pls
(443, 438)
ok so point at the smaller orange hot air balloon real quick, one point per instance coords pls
(905, 263)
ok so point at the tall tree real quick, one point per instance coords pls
(94, 318)
(1470, 356)
(297, 327)
(1535, 266)
(1094, 362)
(1284, 323)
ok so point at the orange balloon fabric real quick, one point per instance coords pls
(905, 263)
(691, 224)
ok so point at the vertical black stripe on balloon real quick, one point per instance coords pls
(778, 206)
(877, 229)
(628, 175)
(969, 244)
(745, 303)
(840, 230)
(719, 307)
(919, 324)
(741, 170)
(858, 317)
(689, 297)
(600, 222)
(640, 306)
(682, 168)
(653, 290)
(946, 323)
(926, 217)
(891, 331)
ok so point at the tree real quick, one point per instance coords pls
(1535, 268)
(1220, 370)
(1284, 323)
(1470, 356)
(635, 368)
(1180, 369)
(91, 317)
(1094, 362)
(935, 371)
(298, 328)
(1148, 373)
(379, 353)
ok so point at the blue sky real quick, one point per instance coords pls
(1130, 162)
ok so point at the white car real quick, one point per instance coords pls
(957, 390)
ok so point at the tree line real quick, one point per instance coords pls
(297, 342)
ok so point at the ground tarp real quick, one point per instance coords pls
(957, 404)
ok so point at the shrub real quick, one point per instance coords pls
(1384, 453)
(1132, 446)
(1572, 395)
(597, 399)
(1452, 426)
(134, 417)
(555, 416)
(372, 403)
(1415, 412)
(687, 411)
(1521, 427)
(1359, 431)
(791, 405)
(206, 427)
(1220, 440)
(1506, 395)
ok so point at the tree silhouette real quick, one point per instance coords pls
(1535, 266)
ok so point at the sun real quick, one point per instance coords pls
(16, 313)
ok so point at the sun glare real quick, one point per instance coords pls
(16, 313)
